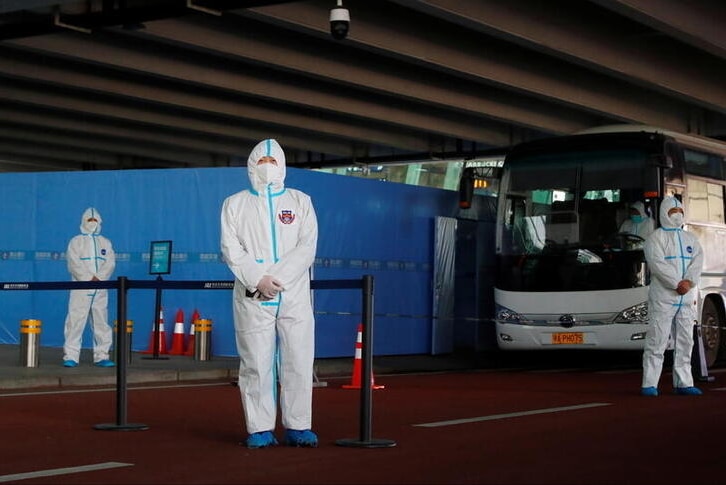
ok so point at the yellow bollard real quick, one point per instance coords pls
(129, 334)
(202, 339)
(29, 342)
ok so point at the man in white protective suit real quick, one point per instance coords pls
(675, 259)
(90, 257)
(268, 239)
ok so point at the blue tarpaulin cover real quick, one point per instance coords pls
(365, 227)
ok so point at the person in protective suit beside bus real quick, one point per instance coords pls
(268, 239)
(675, 259)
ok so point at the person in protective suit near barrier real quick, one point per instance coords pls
(675, 259)
(268, 239)
(90, 257)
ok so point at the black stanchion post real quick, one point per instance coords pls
(366, 400)
(123, 348)
(366, 407)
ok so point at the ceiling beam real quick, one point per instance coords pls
(11, 147)
(639, 57)
(68, 108)
(97, 144)
(696, 22)
(15, 162)
(195, 102)
(103, 51)
(402, 34)
(314, 58)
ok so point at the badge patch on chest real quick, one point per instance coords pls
(286, 217)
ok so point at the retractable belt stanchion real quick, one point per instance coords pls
(123, 344)
(366, 401)
(122, 286)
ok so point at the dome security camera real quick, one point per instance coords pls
(339, 23)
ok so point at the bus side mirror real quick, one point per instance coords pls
(466, 188)
(660, 160)
(672, 155)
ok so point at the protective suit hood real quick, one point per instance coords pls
(90, 227)
(639, 206)
(267, 174)
(668, 204)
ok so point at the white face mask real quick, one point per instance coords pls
(267, 173)
(677, 219)
(90, 227)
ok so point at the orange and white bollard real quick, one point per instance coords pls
(30, 342)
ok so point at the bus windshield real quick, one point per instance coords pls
(559, 218)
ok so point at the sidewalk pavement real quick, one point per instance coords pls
(175, 369)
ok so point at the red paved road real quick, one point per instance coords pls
(621, 438)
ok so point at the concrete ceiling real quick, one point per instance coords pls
(117, 84)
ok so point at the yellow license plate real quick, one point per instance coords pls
(567, 338)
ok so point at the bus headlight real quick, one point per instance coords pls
(634, 314)
(506, 315)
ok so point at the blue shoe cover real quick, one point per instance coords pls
(688, 391)
(263, 439)
(70, 363)
(649, 391)
(302, 438)
(105, 363)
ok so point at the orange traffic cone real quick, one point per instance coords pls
(357, 378)
(177, 340)
(162, 336)
(191, 341)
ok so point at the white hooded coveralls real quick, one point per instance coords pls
(272, 230)
(643, 228)
(89, 254)
(672, 255)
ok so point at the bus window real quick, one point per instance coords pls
(704, 164)
(705, 201)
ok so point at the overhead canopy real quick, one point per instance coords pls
(114, 84)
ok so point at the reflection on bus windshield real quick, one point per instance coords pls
(561, 219)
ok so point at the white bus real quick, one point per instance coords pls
(565, 276)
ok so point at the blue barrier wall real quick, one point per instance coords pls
(366, 227)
